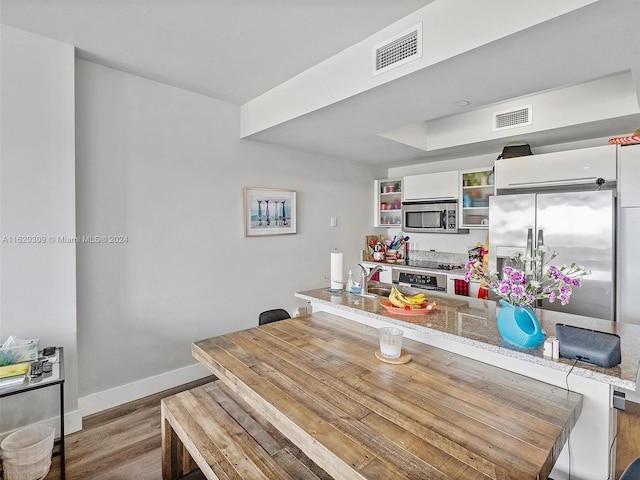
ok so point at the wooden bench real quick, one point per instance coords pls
(210, 428)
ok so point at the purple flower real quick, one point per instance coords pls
(520, 289)
(504, 288)
(517, 291)
(565, 290)
(516, 276)
(554, 273)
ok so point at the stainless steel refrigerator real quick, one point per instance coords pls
(579, 225)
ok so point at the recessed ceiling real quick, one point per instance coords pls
(236, 51)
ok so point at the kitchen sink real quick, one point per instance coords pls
(381, 291)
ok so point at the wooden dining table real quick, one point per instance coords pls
(317, 379)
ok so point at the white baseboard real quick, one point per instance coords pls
(113, 397)
(72, 423)
(97, 402)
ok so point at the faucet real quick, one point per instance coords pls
(366, 276)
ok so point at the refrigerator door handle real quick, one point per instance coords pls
(529, 251)
(540, 243)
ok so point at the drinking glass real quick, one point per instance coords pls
(390, 342)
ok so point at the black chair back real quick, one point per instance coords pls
(632, 472)
(273, 316)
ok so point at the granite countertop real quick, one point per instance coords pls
(472, 321)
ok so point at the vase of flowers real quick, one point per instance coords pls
(525, 280)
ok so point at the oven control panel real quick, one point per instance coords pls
(425, 281)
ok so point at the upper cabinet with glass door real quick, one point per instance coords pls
(388, 203)
(476, 186)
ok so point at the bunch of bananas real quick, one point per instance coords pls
(400, 300)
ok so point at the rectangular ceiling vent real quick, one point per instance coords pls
(518, 117)
(402, 48)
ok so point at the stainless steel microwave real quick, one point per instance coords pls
(437, 216)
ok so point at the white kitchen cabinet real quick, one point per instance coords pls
(629, 175)
(388, 202)
(432, 186)
(572, 167)
(476, 186)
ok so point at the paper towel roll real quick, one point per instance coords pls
(336, 271)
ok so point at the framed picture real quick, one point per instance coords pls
(269, 211)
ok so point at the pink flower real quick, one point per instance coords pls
(516, 276)
(519, 288)
(554, 273)
(517, 291)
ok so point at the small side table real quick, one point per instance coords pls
(56, 377)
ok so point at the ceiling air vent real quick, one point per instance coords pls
(518, 117)
(398, 50)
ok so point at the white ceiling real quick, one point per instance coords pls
(235, 50)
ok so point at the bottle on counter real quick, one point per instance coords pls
(349, 281)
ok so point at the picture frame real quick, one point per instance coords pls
(269, 211)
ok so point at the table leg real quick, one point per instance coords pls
(62, 463)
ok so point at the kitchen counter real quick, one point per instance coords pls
(472, 322)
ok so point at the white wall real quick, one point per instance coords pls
(37, 280)
(166, 168)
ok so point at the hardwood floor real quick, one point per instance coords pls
(123, 443)
(628, 437)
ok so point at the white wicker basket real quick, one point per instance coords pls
(26, 453)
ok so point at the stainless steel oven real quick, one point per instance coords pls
(417, 278)
(439, 216)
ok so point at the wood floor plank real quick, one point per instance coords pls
(92, 454)
(628, 437)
